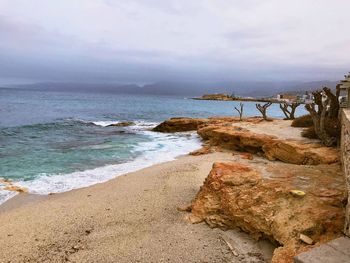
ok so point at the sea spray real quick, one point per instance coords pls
(160, 148)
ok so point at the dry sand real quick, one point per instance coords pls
(279, 128)
(132, 218)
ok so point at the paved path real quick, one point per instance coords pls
(335, 251)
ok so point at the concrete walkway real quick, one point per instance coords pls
(335, 251)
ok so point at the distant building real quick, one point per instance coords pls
(287, 97)
(307, 98)
(344, 86)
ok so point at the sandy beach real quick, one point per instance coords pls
(132, 218)
(174, 131)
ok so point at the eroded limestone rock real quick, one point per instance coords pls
(258, 201)
(180, 125)
(226, 133)
(273, 148)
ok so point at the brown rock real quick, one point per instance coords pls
(300, 153)
(194, 219)
(4, 180)
(247, 156)
(235, 138)
(237, 195)
(123, 124)
(273, 148)
(221, 132)
(186, 208)
(16, 188)
(201, 151)
(180, 125)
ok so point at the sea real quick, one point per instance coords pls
(56, 141)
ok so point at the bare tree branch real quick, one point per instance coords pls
(263, 108)
(327, 111)
(240, 111)
(289, 113)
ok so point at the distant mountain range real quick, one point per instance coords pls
(256, 89)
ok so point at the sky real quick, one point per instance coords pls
(143, 41)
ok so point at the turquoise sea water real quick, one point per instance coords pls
(58, 141)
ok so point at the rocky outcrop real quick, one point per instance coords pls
(9, 186)
(180, 125)
(122, 124)
(226, 133)
(202, 151)
(273, 148)
(205, 150)
(300, 153)
(285, 203)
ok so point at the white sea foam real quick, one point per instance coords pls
(138, 125)
(104, 123)
(162, 148)
(6, 195)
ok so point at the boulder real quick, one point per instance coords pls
(238, 195)
(122, 124)
(202, 151)
(300, 153)
(180, 125)
(16, 188)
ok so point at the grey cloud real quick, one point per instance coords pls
(153, 40)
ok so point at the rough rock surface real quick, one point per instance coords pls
(273, 148)
(202, 151)
(258, 200)
(226, 132)
(122, 124)
(8, 185)
(345, 151)
(182, 124)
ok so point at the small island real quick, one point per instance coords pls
(302, 98)
(226, 97)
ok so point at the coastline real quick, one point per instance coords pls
(173, 146)
(131, 218)
(141, 215)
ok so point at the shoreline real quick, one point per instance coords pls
(23, 198)
(131, 218)
(61, 183)
(143, 215)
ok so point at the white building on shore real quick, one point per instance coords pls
(344, 86)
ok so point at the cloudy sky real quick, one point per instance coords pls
(153, 40)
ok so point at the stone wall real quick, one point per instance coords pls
(345, 155)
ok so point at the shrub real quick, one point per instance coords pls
(332, 128)
(309, 132)
(303, 121)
